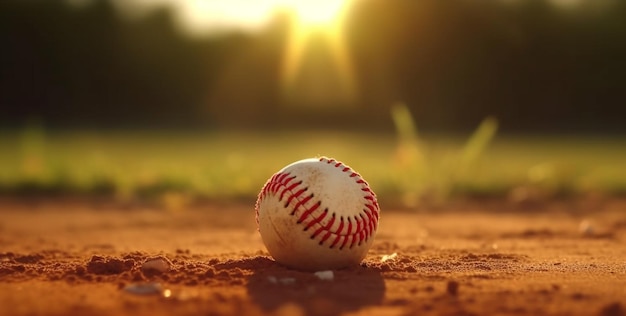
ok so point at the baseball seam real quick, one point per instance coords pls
(351, 230)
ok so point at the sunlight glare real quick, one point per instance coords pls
(208, 16)
(318, 13)
(316, 69)
(205, 17)
(318, 23)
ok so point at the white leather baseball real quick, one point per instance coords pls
(317, 214)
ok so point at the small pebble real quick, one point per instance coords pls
(392, 256)
(327, 275)
(156, 265)
(586, 228)
(144, 288)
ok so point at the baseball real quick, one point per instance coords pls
(317, 214)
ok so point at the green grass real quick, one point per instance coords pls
(178, 166)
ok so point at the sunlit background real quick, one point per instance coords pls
(179, 99)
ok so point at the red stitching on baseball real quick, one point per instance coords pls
(296, 196)
(325, 237)
(359, 230)
(311, 215)
(340, 226)
(318, 219)
(308, 211)
(345, 240)
(324, 228)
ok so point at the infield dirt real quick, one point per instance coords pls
(86, 257)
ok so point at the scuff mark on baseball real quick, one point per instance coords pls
(317, 214)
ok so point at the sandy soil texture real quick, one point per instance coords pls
(70, 257)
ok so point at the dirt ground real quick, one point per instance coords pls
(88, 257)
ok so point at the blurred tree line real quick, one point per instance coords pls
(534, 66)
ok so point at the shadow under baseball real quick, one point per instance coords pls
(272, 286)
